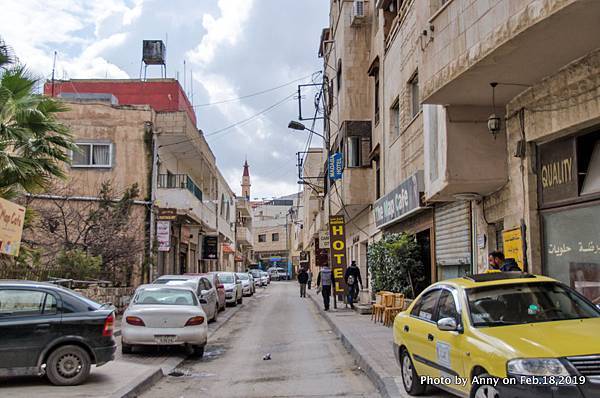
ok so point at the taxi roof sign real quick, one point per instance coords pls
(498, 276)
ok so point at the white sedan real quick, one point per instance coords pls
(164, 315)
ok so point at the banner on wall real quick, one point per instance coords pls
(12, 218)
(513, 245)
(163, 235)
(337, 237)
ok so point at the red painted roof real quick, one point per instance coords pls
(246, 171)
(163, 95)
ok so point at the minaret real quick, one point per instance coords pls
(246, 181)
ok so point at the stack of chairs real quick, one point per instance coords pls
(390, 312)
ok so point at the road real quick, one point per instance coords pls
(307, 360)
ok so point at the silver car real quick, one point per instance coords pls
(246, 283)
(258, 279)
(233, 288)
(162, 315)
(203, 288)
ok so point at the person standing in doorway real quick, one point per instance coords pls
(324, 281)
(303, 280)
(352, 278)
(309, 272)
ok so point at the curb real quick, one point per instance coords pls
(386, 385)
(150, 378)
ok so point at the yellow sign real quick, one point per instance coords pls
(513, 245)
(12, 217)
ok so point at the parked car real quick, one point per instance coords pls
(246, 284)
(283, 274)
(233, 288)
(252, 283)
(203, 288)
(165, 315)
(266, 277)
(214, 279)
(537, 335)
(51, 330)
(273, 274)
(258, 277)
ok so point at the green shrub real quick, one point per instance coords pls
(77, 264)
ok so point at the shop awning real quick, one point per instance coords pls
(227, 249)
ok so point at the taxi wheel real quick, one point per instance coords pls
(485, 391)
(410, 378)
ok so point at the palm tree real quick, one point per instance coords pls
(33, 144)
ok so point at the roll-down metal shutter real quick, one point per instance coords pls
(453, 234)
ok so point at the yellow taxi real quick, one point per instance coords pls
(500, 335)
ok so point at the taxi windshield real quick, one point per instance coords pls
(522, 303)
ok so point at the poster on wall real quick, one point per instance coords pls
(513, 245)
(210, 248)
(163, 235)
(337, 237)
(12, 217)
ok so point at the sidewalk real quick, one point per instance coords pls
(370, 345)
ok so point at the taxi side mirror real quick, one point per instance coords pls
(447, 325)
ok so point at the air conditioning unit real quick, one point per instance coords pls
(358, 12)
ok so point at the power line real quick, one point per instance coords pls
(256, 93)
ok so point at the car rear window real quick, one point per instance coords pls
(226, 278)
(243, 277)
(523, 303)
(165, 296)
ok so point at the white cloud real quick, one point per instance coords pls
(223, 30)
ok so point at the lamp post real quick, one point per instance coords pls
(294, 125)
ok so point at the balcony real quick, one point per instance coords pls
(244, 236)
(474, 43)
(243, 207)
(179, 191)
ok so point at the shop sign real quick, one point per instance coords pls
(167, 214)
(557, 171)
(163, 235)
(403, 200)
(210, 248)
(324, 239)
(304, 257)
(513, 245)
(321, 254)
(336, 165)
(337, 233)
(12, 218)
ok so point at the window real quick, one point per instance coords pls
(395, 118)
(339, 74)
(92, 155)
(425, 308)
(275, 237)
(25, 303)
(415, 104)
(376, 99)
(354, 152)
(358, 151)
(222, 204)
(378, 178)
(447, 307)
(262, 238)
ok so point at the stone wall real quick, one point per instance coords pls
(118, 296)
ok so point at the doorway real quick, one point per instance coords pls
(424, 242)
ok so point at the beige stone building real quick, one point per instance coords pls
(145, 132)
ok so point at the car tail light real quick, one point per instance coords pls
(195, 321)
(221, 286)
(109, 325)
(135, 321)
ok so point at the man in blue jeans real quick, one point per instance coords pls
(352, 278)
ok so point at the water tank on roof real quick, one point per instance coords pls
(154, 52)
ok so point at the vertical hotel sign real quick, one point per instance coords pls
(12, 217)
(337, 237)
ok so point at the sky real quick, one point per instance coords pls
(234, 48)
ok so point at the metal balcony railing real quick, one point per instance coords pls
(179, 181)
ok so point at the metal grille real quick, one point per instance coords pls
(588, 365)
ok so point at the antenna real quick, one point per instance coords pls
(53, 69)
(184, 77)
(192, 86)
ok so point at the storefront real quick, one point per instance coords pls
(402, 210)
(568, 173)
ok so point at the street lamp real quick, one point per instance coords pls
(294, 125)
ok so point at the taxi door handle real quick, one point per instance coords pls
(406, 329)
(430, 337)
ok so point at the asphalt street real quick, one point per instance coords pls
(306, 358)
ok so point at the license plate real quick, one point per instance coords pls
(166, 339)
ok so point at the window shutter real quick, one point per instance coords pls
(365, 151)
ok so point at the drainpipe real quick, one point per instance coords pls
(153, 187)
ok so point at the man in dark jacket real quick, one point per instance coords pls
(303, 280)
(510, 265)
(352, 278)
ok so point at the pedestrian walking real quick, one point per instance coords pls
(324, 281)
(499, 263)
(303, 280)
(353, 279)
(309, 278)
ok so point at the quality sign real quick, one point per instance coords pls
(337, 237)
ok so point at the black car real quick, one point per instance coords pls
(47, 329)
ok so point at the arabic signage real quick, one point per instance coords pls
(210, 248)
(557, 171)
(321, 254)
(336, 166)
(163, 235)
(324, 239)
(513, 245)
(404, 199)
(571, 248)
(12, 217)
(167, 214)
(337, 233)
